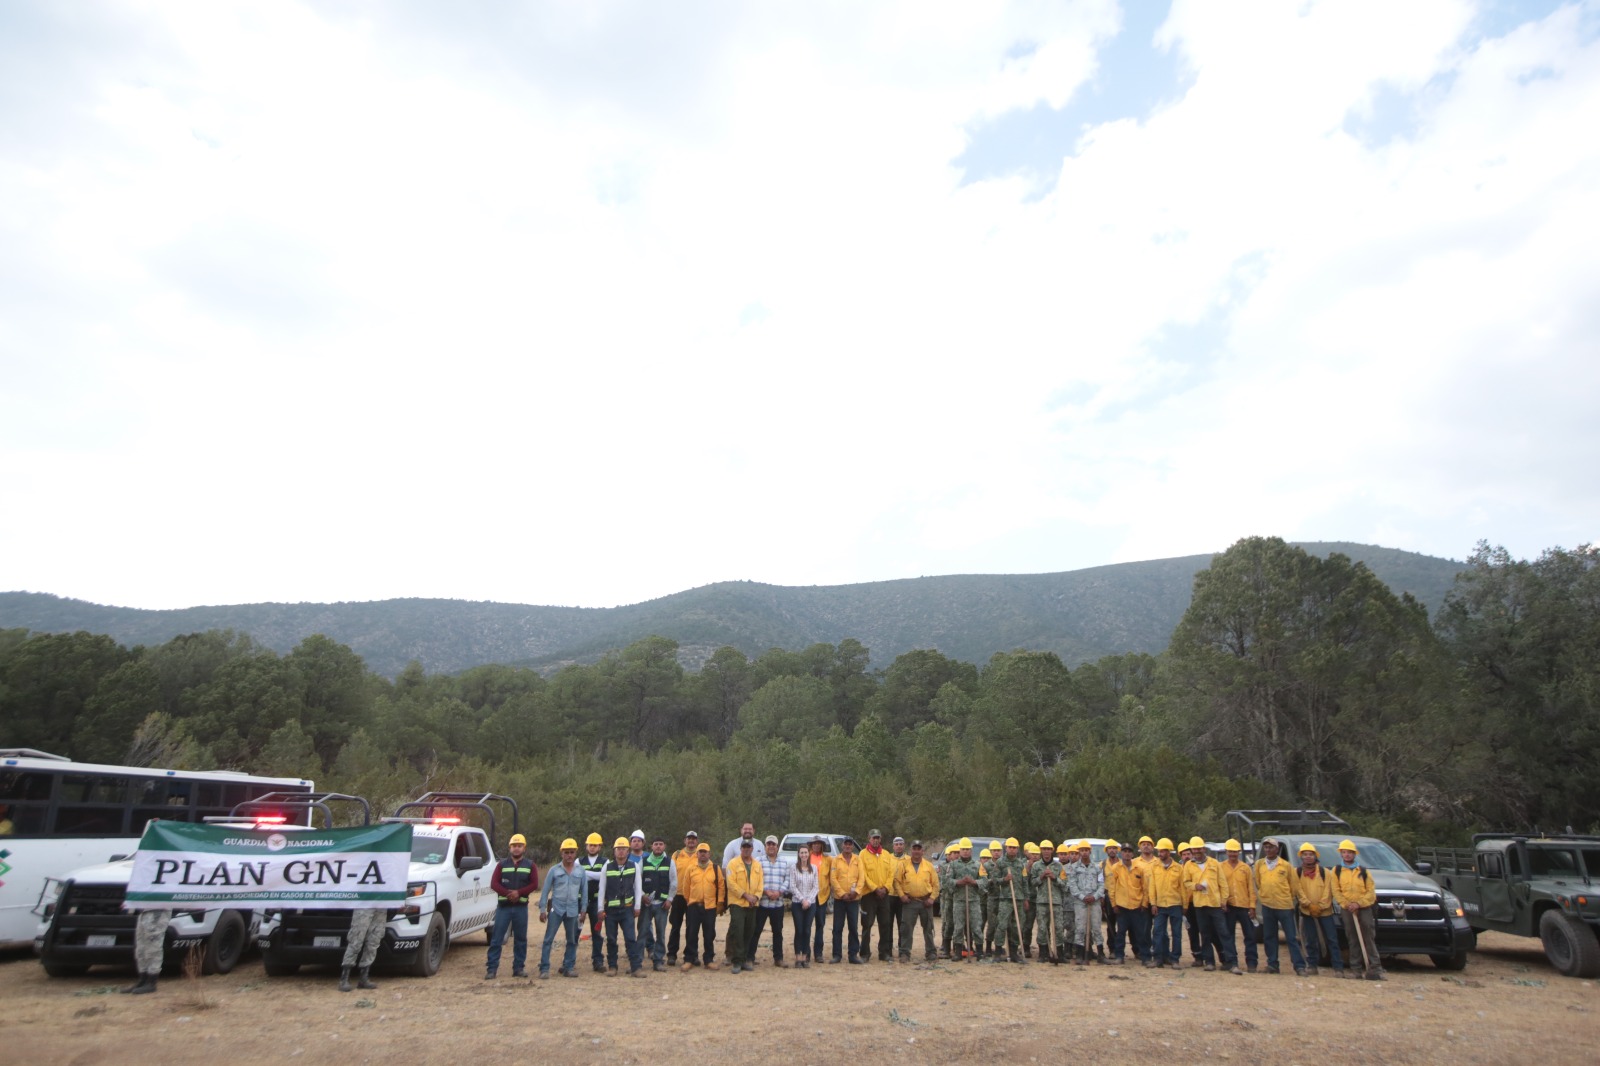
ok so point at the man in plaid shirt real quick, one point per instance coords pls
(775, 886)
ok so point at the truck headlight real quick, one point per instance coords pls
(1453, 907)
(414, 893)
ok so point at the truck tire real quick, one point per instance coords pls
(275, 968)
(225, 946)
(431, 952)
(1456, 961)
(63, 969)
(1569, 944)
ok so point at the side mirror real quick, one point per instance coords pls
(1424, 868)
(470, 862)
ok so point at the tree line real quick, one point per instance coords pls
(1290, 680)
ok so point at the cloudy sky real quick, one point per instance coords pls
(588, 303)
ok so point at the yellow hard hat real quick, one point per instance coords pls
(1196, 842)
(595, 838)
(1345, 845)
(951, 849)
(1031, 848)
(964, 844)
(1147, 840)
(985, 854)
(620, 842)
(1163, 844)
(569, 843)
(1308, 846)
(1233, 845)
(1083, 845)
(518, 838)
(1112, 844)
(1013, 842)
(1046, 844)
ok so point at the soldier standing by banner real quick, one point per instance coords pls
(361, 946)
(149, 948)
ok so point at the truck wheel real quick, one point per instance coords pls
(275, 968)
(431, 953)
(63, 969)
(1457, 961)
(225, 947)
(1570, 945)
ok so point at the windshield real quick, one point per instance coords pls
(430, 850)
(1373, 854)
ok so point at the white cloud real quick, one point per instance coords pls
(305, 306)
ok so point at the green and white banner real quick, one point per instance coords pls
(180, 864)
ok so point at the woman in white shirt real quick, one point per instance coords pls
(803, 889)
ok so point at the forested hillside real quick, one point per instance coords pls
(1290, 678)
(1079, 615)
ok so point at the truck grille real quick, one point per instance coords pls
(98, 900)
(1408, 907)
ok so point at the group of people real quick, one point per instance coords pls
(1010, 902)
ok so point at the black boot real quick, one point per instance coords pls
(344, 978)
(364, 979)
(1100, 952)
(146, 983)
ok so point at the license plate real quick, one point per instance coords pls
(326, 941)
(102, 940)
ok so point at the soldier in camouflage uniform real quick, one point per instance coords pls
(1030, 856)
(1050, 903)
(947, 911)
(149, 948)
(964, 898)
(991, 902)
(1085, 885)
(361, 946)
(1006, 893)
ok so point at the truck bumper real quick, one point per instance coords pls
(320, 939)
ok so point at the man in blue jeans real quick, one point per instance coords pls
(659, 876)
(566, 897)
(514, 880)
(844, 879)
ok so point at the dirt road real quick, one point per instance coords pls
(1507, 1006)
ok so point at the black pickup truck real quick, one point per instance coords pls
(1415, 916)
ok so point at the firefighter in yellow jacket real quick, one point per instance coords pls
(1318, 922)
(1358, 899)
(1164, 885)
(744, 892)
(1241, 909)
(1277, 900)
(705, 893)
(1208, 894)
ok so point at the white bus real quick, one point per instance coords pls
(57, 815)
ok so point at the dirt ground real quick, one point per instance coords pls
(1507, 1006)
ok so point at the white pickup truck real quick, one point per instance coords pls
(448, 895)
(82, 924)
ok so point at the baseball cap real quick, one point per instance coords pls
(691, 833)
(770, 839)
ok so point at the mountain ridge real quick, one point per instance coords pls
(1080, 615)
